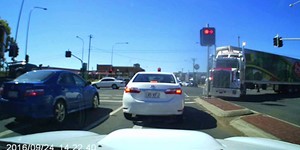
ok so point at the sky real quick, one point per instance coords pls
(160, 33)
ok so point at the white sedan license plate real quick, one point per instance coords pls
(12, 94)
(152, 95)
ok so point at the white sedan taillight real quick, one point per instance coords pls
(174, 91)
(132, 90)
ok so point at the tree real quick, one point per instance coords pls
(4, 25)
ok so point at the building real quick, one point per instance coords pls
(117, 71)
(107, 70)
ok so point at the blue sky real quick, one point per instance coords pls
(161, 33)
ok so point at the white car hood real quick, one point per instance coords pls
(131, 139)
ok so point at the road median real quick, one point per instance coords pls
(250, 123)
(222, 108)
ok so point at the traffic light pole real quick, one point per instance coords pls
(207, 75)
(291, 39)
(82, 71)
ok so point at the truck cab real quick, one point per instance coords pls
(227, 72)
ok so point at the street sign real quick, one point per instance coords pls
(196, 66)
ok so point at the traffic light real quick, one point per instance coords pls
(277, 41)
(13, 50)
(27, 58)
(280, 43)
(207, 36)
(68, 54)
(159, 69)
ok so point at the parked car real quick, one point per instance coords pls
(153, 94)
(109, 82)
(48, 94)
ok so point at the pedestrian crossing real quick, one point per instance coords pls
(107, 98)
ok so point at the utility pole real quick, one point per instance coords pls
(89, 52)
(239, 41)
(194, 79)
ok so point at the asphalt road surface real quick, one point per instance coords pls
(109, 116)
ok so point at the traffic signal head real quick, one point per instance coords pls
(207, 36)
(27, 58)
(277, 41)
(13, 50)
(280, 43)
(68, 54)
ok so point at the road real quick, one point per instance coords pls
(281, 106)
(109, 117)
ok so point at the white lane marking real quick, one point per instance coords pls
(189, 102)
(7, 132)
(110, 101)
(186, 94)
(115, 111)
(137, 127)
(102, 119)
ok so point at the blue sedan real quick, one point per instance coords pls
(48, 94)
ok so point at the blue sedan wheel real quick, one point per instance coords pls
(96, 101)
(60, 112)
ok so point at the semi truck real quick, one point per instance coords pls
(237, 69)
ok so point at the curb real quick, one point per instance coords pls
(223, 113)
(250, 130)
(251, 123)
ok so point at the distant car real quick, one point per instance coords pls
(126, 80)
(48, 94)
(109, 82)
(153, 94)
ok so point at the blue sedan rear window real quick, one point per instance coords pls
(34, 76)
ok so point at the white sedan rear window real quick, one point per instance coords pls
(159, 78)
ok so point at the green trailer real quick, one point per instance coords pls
(237, 69)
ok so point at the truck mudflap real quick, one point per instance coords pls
(225, 92)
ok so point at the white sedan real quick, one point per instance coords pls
(153, 94)
(109, 82)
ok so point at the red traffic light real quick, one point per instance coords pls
(207, 36)
(159, 69)
(208, 31)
